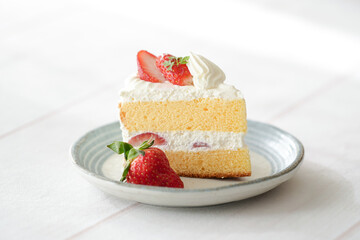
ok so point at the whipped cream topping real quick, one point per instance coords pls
(140, 90)
(185, 140)
(206, 74)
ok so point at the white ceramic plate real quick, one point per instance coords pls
(275, 157)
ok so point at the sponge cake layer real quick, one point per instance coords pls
(211, 164)
(202, 114)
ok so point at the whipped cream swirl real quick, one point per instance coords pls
(206, 74)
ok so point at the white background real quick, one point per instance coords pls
(63, 62)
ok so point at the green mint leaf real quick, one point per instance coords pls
(168, 64)
(174, 60)
(184, 60)
(170, 67)
(120, 147)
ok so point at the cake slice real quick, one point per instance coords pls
(198, 121)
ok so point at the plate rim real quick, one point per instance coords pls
(293, 166)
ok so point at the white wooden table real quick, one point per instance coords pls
(63, 62)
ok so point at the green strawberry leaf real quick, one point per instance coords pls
(126, 170)
(120, 148)
(146, 144)
(130, 153)
(133, 153)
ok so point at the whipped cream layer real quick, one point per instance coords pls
(140, 90)
(185, 140)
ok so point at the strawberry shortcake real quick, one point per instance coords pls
(183, 104)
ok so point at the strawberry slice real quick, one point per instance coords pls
(200, 145)
(147, 69)
(139, 139)
(174, 69)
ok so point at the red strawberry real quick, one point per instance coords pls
(147, 69)
(139, 139)
(174, 69)
(146, 165)
(153, 169)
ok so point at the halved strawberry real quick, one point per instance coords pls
(139, 139)
(147, 69)
(174, 69)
